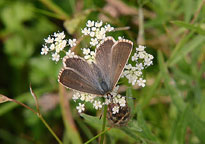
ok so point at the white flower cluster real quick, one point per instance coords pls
(97, 101)
(134, 73)
(96, 31)
(56, 43)
(88, 55)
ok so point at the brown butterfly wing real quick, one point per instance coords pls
(70, 78)
(84, 74)
(103, 59)
(120, 53)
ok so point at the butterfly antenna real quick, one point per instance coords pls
(130, 97)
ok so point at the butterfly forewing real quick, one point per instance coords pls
(103, 59)
(120, 53)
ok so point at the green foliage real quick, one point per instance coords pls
(170, 109)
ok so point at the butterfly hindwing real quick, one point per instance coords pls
(90, 72)
(70, 78)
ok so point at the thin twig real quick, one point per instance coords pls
(49, 128)
(122, 28)
(35, 99)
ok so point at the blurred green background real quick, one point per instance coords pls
(170, 109)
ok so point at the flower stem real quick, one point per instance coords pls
(97, 136)
(104, 123)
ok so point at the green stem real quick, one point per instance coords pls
(102, 133)
(104, 123)
(55, 8)
(49, 128)
(40, 117)
(140, 39)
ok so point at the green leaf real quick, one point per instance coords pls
(94, 121)
(139, 129)
(196, 125)
(193, 44)
(148, 96)
(178, 47)
(15, 14)
(191, 27)
(175, 96)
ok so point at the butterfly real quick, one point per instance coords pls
(101, 76)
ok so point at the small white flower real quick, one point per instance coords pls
(93, 28)
(141, 55)
(150, 56)
(141, 82)
(52, 47)
(49, 40)
(109, 28)
(81, 107)
(135, 57)
(72, 43)
(76, 96)
(98, 24)
(92, 34)
(139, 66)
(86, 51)
(119, 38)
(86, 31)
(122, 102)
(140, 48)
(92, 53)
(71, 54)
(61, 35)
(90, 23)
(44, 50)
(115, 109)
(147, 62)
(87, 57)
(55, 57)
(100, 35)
(138, 73)
(128, 66)
(90, 98)
(97, 105)
(62, 45)
(83, 96)
(94, 41)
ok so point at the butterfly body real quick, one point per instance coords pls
(101, 76)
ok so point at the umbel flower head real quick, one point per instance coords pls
(97, 33)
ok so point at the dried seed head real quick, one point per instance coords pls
(119, 119)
